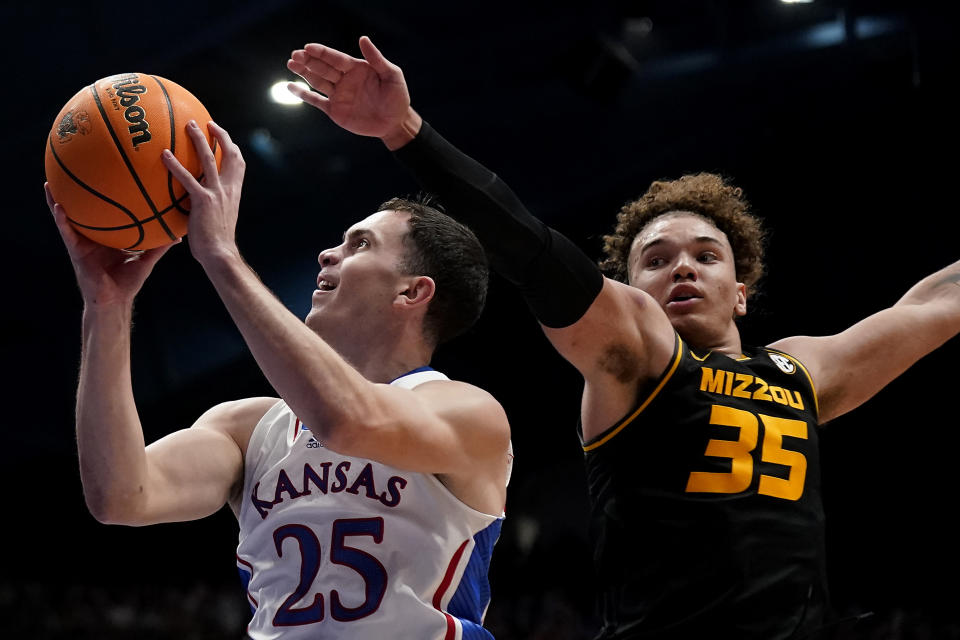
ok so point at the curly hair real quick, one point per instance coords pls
(705, 194)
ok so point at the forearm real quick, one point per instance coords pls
(110, 440)
(852, 366)
(318, 384)
(935, 301)
(546, 266)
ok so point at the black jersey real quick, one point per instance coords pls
(706, 515)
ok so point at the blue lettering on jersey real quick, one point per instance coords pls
(312, 480)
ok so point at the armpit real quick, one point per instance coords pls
(621, 362)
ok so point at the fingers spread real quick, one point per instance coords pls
(233, 165)
(311, 97)
(375, 59)
(323, 70)
(323, 86)
(207, 160)
(336, 59)
(180, 172)
(318, 75)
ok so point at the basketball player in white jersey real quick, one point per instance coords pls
(370, 496)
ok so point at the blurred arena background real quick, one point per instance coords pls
(837, 117)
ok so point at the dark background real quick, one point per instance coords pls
(836, 118)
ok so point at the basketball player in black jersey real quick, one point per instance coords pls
(701, 453)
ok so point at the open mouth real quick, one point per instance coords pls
(684, 294)
(325, 285)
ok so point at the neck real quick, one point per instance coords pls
(383, 357)
(727, 342)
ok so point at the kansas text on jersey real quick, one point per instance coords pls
(335, 546)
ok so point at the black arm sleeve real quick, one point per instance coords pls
(558, 281)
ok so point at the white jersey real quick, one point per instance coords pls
(335, 546)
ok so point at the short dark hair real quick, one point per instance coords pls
(448, 252)
(705, 194)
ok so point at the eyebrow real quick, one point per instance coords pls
(348, 235)
(698, 239)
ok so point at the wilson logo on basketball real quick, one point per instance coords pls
(129, 90)
(73, 122)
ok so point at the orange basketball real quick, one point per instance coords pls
(103, 159)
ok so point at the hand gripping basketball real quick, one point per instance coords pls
(103, 160)
(216, 198)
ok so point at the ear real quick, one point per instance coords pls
(418, 292)
(740, 308)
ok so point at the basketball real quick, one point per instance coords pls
(103, 159)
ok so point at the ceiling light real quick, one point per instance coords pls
(280, 94)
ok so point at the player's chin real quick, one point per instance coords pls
(688, 322)
(684, 314)
(314, 318)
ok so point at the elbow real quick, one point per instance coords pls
(343, 436)
(102, 512)
(350, 432)
(107, 509)
(350, 422)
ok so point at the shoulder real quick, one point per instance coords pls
(624, 298)
(466, 407)
(623, 338)
(457, 396)
(237, 411)
(236, 418)
(480, 434)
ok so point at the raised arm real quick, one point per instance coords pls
(187, 475)
(596, 324)
(369, 97)
(850, 367)
(444, 432)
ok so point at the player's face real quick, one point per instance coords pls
(360, 278)
(686, 264)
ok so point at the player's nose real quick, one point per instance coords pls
(328, 257)
(685, 268)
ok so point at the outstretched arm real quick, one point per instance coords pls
(369, 97)
(851, 367)
(418, 430)
(191, 473)
(589, 320)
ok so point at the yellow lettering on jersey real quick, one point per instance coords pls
(743, 381)
(744, 385)
(761, 393)
(711, 380)
(773, 451)
(738, 451)
(779, 395)
(794, 401)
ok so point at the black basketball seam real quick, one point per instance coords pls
(136, 222)
(175, 204)
(123, 154)
(173, 141)
(119, 227)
